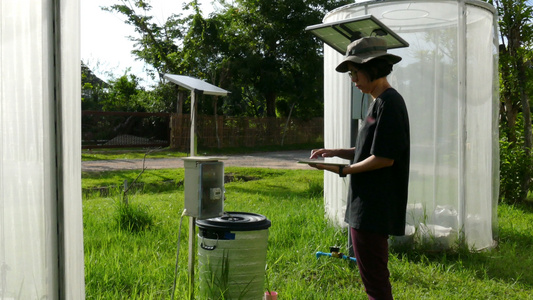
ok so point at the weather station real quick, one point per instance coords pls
(204, 198)
(231, 246)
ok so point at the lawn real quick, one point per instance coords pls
(139, 264)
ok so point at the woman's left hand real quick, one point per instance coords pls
(318, 166)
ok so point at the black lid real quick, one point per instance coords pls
(235, 221)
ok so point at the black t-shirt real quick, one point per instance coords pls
(379, 198)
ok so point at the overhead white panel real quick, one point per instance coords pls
(192, 84)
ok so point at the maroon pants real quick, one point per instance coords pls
(372, 254)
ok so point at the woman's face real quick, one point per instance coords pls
(360, 80)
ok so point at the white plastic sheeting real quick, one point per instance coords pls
(448, 77)
(41, 234)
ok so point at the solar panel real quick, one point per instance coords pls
(340, 34)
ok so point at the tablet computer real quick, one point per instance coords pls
(320, 161)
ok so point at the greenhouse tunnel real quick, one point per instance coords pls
(448, 78)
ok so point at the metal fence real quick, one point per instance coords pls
(125, 129)
(135, 130)
(223, 132)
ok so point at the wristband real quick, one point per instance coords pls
(341, 169)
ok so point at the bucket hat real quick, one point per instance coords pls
(364, 50)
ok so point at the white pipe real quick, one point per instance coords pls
(461, 74)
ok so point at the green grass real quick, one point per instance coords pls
(112, 182)
(124, 264)
(112, 154)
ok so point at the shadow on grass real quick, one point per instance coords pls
(279, 185)
(510, 261)
(277, 192)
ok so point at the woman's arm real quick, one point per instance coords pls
(342, 153)
(371, 163)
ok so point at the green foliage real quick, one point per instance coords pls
(155, 45)
(515, 163)
(261, 53)
(121, 94)
(162, 98)
(272, 57)
(92, 89)
(516, 38)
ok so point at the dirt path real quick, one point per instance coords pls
(274, 160)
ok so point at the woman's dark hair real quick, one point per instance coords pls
(375, 68)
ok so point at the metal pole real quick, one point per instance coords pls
(192, 253)
(462, 93)
(193, 124)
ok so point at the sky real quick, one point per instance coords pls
(105, 46)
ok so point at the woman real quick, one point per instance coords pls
(380, 164)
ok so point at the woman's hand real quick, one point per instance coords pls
(318, 166)
(317, 153)
(369, 164)
(347, 154)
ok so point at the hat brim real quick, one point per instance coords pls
(343, 66)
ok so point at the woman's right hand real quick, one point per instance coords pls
(318, 153)
(342, 153)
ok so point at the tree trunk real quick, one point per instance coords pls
(287, 123)
(271, 104)
(271, 127)
(510, 110)
(215, 101)
(511, 114)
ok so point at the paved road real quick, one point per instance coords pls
(274, 160)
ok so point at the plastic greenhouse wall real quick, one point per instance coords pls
(448, 78)
(41, 234)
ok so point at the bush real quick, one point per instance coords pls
(133, 218)
(514, 165)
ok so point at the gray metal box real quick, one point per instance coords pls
(204, 187)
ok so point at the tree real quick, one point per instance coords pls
(273, 53)
(156, 44)
(161, 46)
(516, 31)
(120, 95)
(92, 89)
(258, 50)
